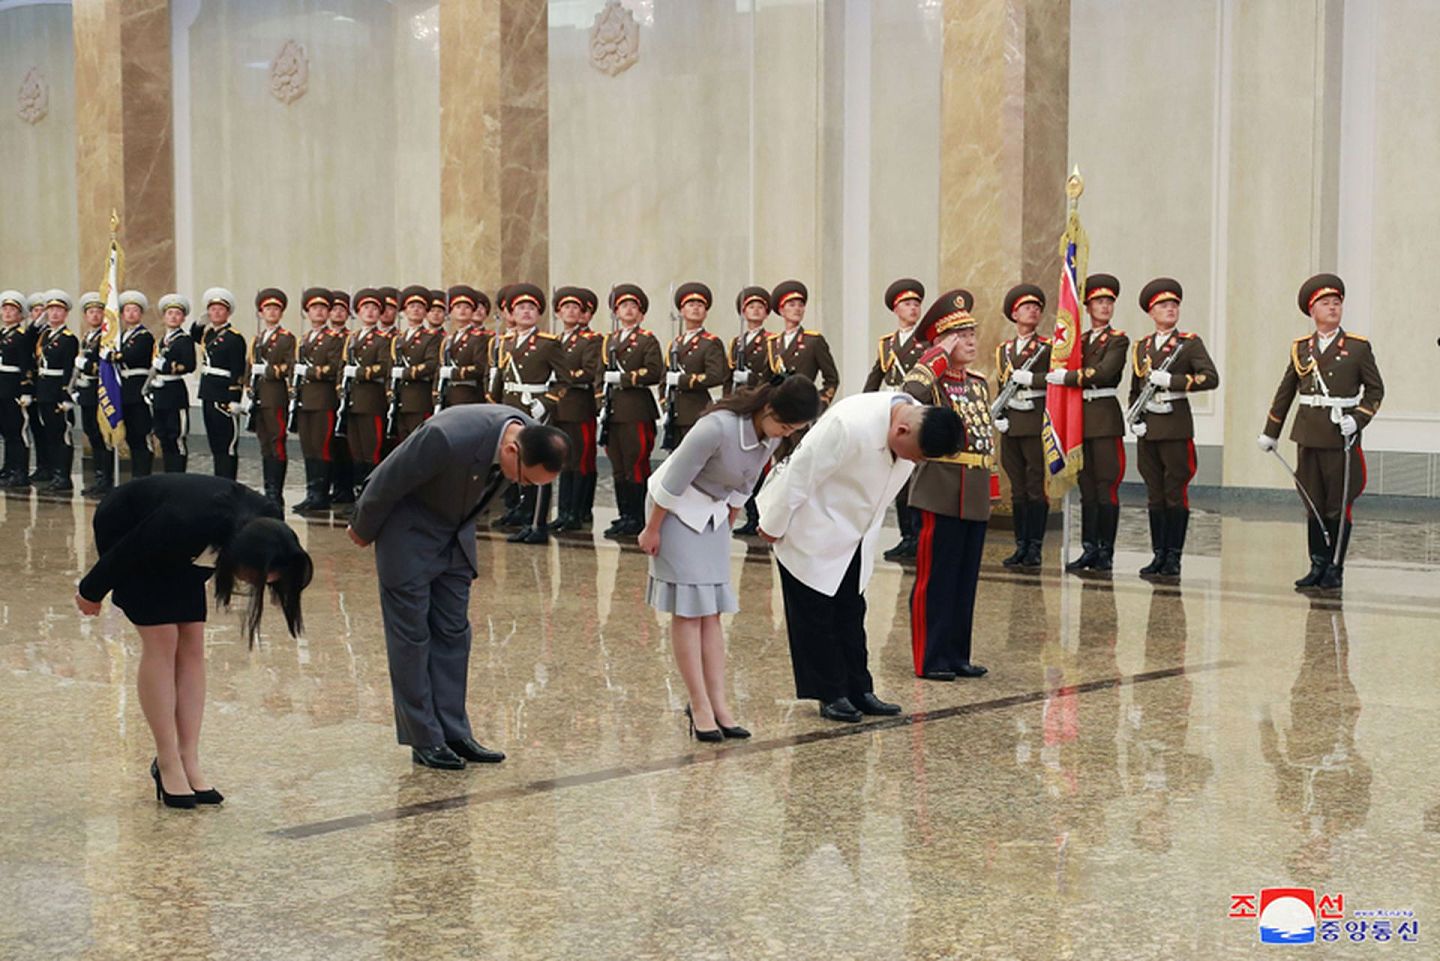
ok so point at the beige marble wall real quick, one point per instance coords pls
(147, 147)
(1003, 95)
(38, 245)
(99, 129)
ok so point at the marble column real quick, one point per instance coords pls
(124, 155)
(1004, 122)
(494, 142)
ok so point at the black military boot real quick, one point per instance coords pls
(172, 463)
(1177, 522)
(1319, 556)
(1035, 535)
(142, 461)
(1021, 518)
(1157, 542)
(1334, 577)
(1089, 538)
(105, 475)
(308, 501)
(751, 527)
(538, 531)
(635, 510)
(514, 516)
(342, 480)
(567, 514)
(1107, 522)
(622, 506)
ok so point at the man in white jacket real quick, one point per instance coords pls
(822, 509)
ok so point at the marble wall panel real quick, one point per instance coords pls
(525, 142)
(99, 131)
(147, 146)
(470, 142)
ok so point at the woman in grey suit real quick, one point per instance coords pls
(694, 498)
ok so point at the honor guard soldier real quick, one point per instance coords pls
(1024, 360)
(801, 351)
(575, 411)
(465, 354)
(272, 363)
(1172, 364)
(87, 394)
(342, 468)
(168, 395)
(133, 353)
(696, 363)
(368, 367)
(317, 374)
(222, 379)
(55, 360)
(897, 353)
(529, 368)
(586, 494)
(633, 364)
(1103, 355)
(390, 308)
(435, 317)
(752, 363)
(417, 361)
(1338, 383)
(17, 386)
(950, 494)
(37, 311)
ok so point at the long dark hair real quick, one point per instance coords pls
(792, 398)
(262, 546)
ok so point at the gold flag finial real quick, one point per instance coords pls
(1074, 185)
(114, 222)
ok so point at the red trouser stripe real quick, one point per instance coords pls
(646, 430)
(920, 594)
(280, 433)
(587, 447)
(379, 437)
(1120, 473)
(325, 454)
(1189, 473)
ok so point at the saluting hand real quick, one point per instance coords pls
(359, 541)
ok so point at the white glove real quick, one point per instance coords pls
(537, 410)
(1139, 429)
(398, 372)
(1266, 443)
(612, 377)
(1348, 426)
(1160, 378)
(742, 377)
(66, 406)
(26, 400)
(672, 378)
(1002, 424)
(300, 370)
(258, 370)
(159, 364)
(1025, 378)
(110, 354)
(246, 403)
(1056, 377)
(80, 363)
(447, 372)
(351, 370)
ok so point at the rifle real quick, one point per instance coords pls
(392, 413)
(1136, 409)
(1007, 393)
(252, 419)
(607, 403)
(443, 384)
(346, 382)
(296, 379)
(667, 424)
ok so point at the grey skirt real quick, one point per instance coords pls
(690, 576)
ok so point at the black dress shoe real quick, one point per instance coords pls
(209, 796)
(868, 703)
(737, 732)
(472, 750)
(714, 736)
(971, 670)
(896, 552)
(440, 756)
(939, 676)
(747, 529)
(170, 800)
(530, 535)
(841, 710)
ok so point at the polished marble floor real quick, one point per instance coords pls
(1137, 756)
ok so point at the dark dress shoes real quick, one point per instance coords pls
(735, 733)
(209, 796)
(472, 750)
(971, 670)
(939, 676)
(841, 710)
(868, 703)
(440, 756)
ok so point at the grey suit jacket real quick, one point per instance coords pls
(425, 494)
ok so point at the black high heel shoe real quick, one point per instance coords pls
(171, 800)
(208, 796)
(711, 737)
(736, 732)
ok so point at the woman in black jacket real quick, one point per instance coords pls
(160, 538)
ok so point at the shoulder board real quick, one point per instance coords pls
(547, 335)
(1301, 340)
(1043, 340)
(811, 333)
(1186, 335)
(67, 330)
(971, 375)
(1350, 336)
(1116, 333)
(642, 330)
(708, 336)
(282, 330)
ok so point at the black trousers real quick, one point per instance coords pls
(1104, 469)
(223, 436)
(942, 600)
(12, 430)
(827, 637)
(139, 422)
(171, 427)
(53, 436)
(90, 423)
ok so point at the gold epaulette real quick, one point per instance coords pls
(1350, 336)
(548, 336)
(812, 333)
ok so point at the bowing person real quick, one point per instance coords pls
(160, 538)
(693, 500)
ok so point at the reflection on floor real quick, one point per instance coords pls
(1138, 755)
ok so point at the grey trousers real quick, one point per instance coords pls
(427, 640)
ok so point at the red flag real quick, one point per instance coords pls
(1064, 432)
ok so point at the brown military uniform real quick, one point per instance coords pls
(808, 353)
(758, 358)
(539, 363)
(468, 352)
(630, 422)
(575, 414)
(1350, 376)
(418, 351)
(1021, 454)
(1167, 451)
(370, 353)
(1102, 365)
(893, 359)
(275, 348)
(322, 351)
(700, 359)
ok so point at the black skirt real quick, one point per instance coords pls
(169, 595)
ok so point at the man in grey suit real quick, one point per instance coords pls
(419, 509)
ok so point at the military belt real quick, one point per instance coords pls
(9, 369)
(84, 381)
(1320, 400)
(51, 372)
(216, 371)
(135, 372)
(168, 378)
(1095, 393)
(525, 390)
